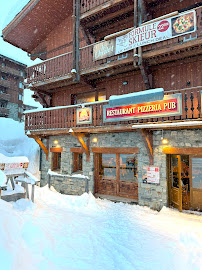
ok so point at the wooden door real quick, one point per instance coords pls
(176, 187)
(116, 175)
(127, 176)
(196, 182)
(105, 174)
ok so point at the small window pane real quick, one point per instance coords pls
(128, 167)
(107, 166)
(197, 173)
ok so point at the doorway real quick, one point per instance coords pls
(116, 174)
(185, 182)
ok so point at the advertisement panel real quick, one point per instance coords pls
(84, 116)
(103, 49)
(170, 105)
(157, 31)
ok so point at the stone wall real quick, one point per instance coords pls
(152, 195)
(69, 184)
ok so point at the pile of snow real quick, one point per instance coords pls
(14, 143)
(81, 232)
(3, 178)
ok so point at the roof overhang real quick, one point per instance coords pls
(35, 21)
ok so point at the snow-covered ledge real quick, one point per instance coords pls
(74, 184)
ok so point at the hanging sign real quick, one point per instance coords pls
(161, 30)
(103, 49)
(84, 116)
(151, 175)
(169, 106)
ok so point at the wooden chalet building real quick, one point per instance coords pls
(120, 82)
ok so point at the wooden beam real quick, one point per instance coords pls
(147, 137)
(85, 33)
(100, 8)
(115, 150)
(38, 140)
(145, 73)
(79, 137)
(183, 150)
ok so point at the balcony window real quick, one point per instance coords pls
(88, 97)
(3, 90)
(20, 85)
(4, 77)
(21, 96)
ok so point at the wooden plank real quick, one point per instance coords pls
(183, 150)
(115, 150)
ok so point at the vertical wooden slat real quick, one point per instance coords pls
(189, 111)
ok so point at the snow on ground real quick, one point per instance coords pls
(81, 232)
(14, 143)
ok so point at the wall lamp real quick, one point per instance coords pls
(163, 140)
(94, 140)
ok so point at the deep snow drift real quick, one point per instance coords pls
(81, 232)
(14, 143)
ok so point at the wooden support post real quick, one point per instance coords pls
(37, 139)
(79, 137)
(145, 72)
(85, 33)
(77, 39)
(147, 137)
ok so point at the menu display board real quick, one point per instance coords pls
(151, 175)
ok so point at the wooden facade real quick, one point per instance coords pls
(11, 87)
(70, 75)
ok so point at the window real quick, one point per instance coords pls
(56, 161)
(20, 96)
(88, 97)
(77, 159)
(3, 90)
(126, 163)
(20, 85)
(77, 162)
(3, 64)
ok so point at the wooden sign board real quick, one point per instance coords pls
(84, 116)
(103, 49)
(157, 31)
(171, 105)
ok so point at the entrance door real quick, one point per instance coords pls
(116, 175)
(196, 182)
(176, 187)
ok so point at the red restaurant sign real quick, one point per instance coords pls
(171, 105)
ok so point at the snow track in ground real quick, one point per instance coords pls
(81, 232)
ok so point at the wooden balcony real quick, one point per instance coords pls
(59, 120)
(4, 96)
(9, 70)
(58, 69)
(4, 112)
(5, 83)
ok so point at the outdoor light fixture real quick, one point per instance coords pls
(55, 142)
(71, 130)
(163, 140)
(94, 140)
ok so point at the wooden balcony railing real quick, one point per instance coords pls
(59, 67)
(63, 118)
(10, 70)
(4, 96)
(4, 111)
(87, 5)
